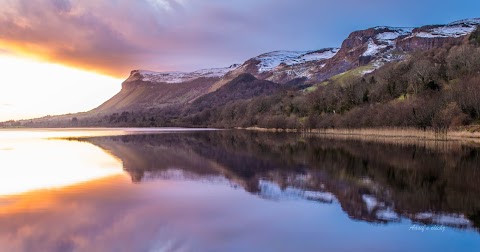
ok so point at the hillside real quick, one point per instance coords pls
(140, 94)
(243, 87)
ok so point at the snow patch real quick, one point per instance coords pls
(392, 34)
(320, 196)
(447, 31)
(370, 201)
(270, 61)
(455, 30)
(181, 175)
(470, 21)
(444, 219)
(387, 215)
(271, 190)
(178, 77)
(455, 220)
(373, 49)
(387, 36)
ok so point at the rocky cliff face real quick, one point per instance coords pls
(382, 44)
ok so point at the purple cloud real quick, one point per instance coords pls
(115, 37)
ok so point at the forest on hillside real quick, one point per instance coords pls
(437, 89)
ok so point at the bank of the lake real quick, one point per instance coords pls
(465, 133)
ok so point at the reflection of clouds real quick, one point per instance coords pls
(115, 215)
(92, 220)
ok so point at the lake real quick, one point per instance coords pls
(229, 190)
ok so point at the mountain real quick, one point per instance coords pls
(371, 48)
(361, 53)
(283, 66)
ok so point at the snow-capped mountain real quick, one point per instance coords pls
(374, 46)
(369, 49)
(292, 64)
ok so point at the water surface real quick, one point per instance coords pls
(184, 190)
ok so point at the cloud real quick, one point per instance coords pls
(116, 36)
(106, 36)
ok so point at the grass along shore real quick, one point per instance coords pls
(464, 133)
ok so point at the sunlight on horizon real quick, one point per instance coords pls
(30, 88)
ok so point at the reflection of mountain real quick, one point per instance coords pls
(371, 181)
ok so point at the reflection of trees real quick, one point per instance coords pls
(405, 177)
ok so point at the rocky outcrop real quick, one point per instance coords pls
(382, 44)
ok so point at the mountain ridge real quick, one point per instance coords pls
(387, 35)
(374, 46)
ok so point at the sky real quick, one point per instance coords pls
(103, 40)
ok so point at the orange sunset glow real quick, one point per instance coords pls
(31, 88)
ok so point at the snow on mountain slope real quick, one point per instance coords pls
(178, 77)
(470, 21)
(373, 48)
(446, 31)
(390, 34)
(391, 43)
(271, 60)
(386, 37)
(454, 30)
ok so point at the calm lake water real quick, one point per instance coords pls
(181, 190)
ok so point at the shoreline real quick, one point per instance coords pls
(403, 133)
(468, 133)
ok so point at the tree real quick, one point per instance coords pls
(449, 116)
(74, 121)
(463, 60)
(422, 75)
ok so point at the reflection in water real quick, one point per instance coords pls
(238, 191)
(33, 164)
(427, 182)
